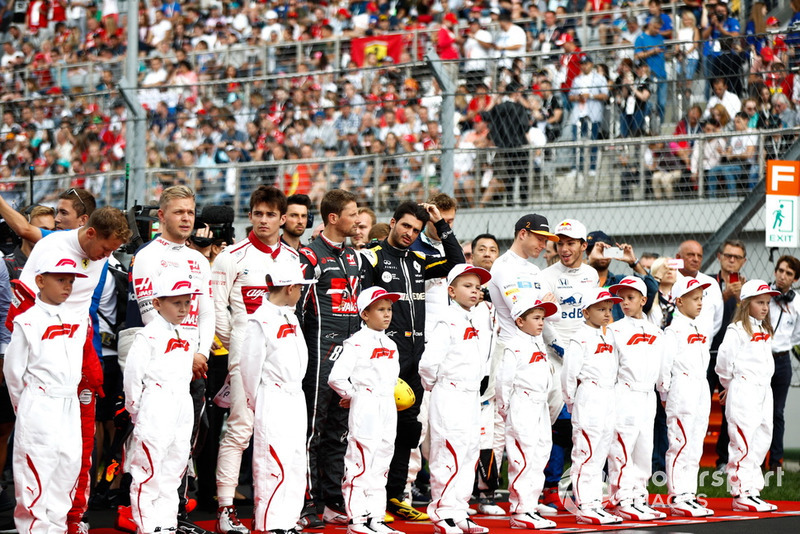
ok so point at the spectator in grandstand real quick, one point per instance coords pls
(510, 41)
(756, 28)
(628, 37)
(635, 89)
(666, 274)
(689, 125)
(720, 113)
(650, 48)
(549, 34)
(708, 153)
(722, 96)
(509, 121)
(782, 108)
(551, 113)
(588, 95)
(570, 62)
(655, 11)
(477, 50)
(721, 48)
(688, 50)
(601, 24)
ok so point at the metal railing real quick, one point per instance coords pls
(538, 176)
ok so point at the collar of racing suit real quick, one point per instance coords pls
(336, 248)
(164, 323)
(263, 247)
(394, 251)
(51, 309)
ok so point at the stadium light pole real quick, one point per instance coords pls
(135, 128)
(446, 118)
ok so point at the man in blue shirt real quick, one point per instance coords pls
(723, 60)
(650, 48)
(654, 7)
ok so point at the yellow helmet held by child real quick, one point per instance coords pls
(404, 397)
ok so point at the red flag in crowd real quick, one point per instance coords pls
(381, 45)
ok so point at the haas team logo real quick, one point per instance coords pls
(470, 333)
(56, 330)
(177, 344)
(603, 347)
(382, 352)
(760, 336)
(538, 357)
(287, 330)
(67, 262)
(143, 287)
(696, 338)
(641, 338)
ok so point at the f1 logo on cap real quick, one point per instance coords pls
(182, 284)
(66, 261)
(763, 287)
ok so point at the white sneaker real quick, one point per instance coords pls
(750, 503)
(688, 507)
(596, 516)
(381, 527)
(543, 509)
(228, 522)
(334, 517)
(468, 526)
(361, 528)
(531, 521)
(446, 526)
(632, 512)
(487, 506)
(642, 505)
(472, 511)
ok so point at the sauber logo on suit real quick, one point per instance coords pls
(56, 330)
(286, 330)
(641, 338)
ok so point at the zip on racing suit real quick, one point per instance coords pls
(405, 271)
(329, 315)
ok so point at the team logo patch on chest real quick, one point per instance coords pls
(695, 338)
(603, 347)
(760, 336)
(287, 330)
(56, 330)
(538, 357)
(177, 344)
(382, 352)
(635, 339)
(470, 333)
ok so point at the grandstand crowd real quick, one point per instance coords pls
(276, 82)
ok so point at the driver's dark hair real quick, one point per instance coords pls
(411, 208)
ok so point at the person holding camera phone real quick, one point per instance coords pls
(600, 250)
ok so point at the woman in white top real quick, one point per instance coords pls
(688, 49)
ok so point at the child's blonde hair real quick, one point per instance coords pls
(742, 315)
